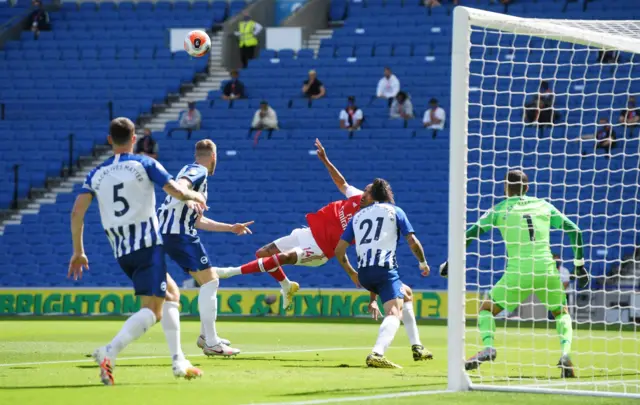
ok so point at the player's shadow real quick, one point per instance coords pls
(276, 359)
(93, 366)
(323, 366)
(400, 388)
(66, 386)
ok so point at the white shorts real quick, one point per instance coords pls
(303, 238)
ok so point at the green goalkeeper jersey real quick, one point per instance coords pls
(525, 223)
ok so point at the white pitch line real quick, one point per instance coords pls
(38, 363)
(356, 399)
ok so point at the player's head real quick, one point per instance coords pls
(207, 154)
(378, 191)
(516, 184)
(122, 134)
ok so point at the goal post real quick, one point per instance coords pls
(498, 65)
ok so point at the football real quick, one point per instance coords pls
(197, 43)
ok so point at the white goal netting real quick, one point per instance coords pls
(556, 100)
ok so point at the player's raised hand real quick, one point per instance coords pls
(444, 269)
(242, 228)
(76, 266)
(424, 269)
(320, 150)
(374, 310)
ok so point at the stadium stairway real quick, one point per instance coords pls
(56, 85)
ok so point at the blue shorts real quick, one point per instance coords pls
(147, 269)
(187, 251)
(384, 282)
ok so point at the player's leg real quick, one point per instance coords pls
(189, 253)
(506, 294)
(411, 326)
(208, 307)
(391, 294)
(170, 322)
(147, 270)
(550, 291)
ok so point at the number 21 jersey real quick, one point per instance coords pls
(123, 186)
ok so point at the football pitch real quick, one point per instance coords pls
(302, 362)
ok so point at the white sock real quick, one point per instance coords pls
(285, 284)
(208, 307)
(387, 332)
(231, 271)
(171, 326)
(410, 324)
(133, 328)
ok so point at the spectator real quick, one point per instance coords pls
(351, 117)
(146, 145)
(247, 34)
(313, 88)
(434, 117)
(608, 56)
(233, 88)
(401, 107)
(605, 136)
(265, 118)
(388, 86)
(539, 108)
(191, 118)
(39, 19)
(631, 115)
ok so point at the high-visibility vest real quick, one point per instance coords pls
(246, 34)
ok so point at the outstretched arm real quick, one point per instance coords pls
(336, 176)
(210, 225)
(474, 232)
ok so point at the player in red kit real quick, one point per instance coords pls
(313, 246)
(308, 246)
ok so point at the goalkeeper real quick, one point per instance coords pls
(524, 223)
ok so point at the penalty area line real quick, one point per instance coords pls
(360, 398)
(90, 360)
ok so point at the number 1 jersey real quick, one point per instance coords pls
(123, 186)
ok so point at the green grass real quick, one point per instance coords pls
(288, 362)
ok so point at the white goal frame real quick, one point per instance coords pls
(463, 19)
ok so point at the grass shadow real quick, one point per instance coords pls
(368, 390)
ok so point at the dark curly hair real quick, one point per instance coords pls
(517, 182)
(381, 191)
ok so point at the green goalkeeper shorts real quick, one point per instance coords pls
(513, 288)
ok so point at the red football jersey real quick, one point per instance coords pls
(328, 224)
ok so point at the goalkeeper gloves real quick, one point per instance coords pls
(444, 269)
(580, 274)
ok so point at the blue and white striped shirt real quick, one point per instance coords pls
(123, 186)
(376, 230)
(175, 217)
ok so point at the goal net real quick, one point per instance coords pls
(545, 97)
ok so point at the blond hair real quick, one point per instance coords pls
(205, 147)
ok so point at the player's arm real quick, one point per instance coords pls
(79, 259)
(560, 221)
(484, 224)
(341, 253)
(406, 230)
(210, 225)
(336, 176)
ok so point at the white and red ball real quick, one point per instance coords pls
(197, 43)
